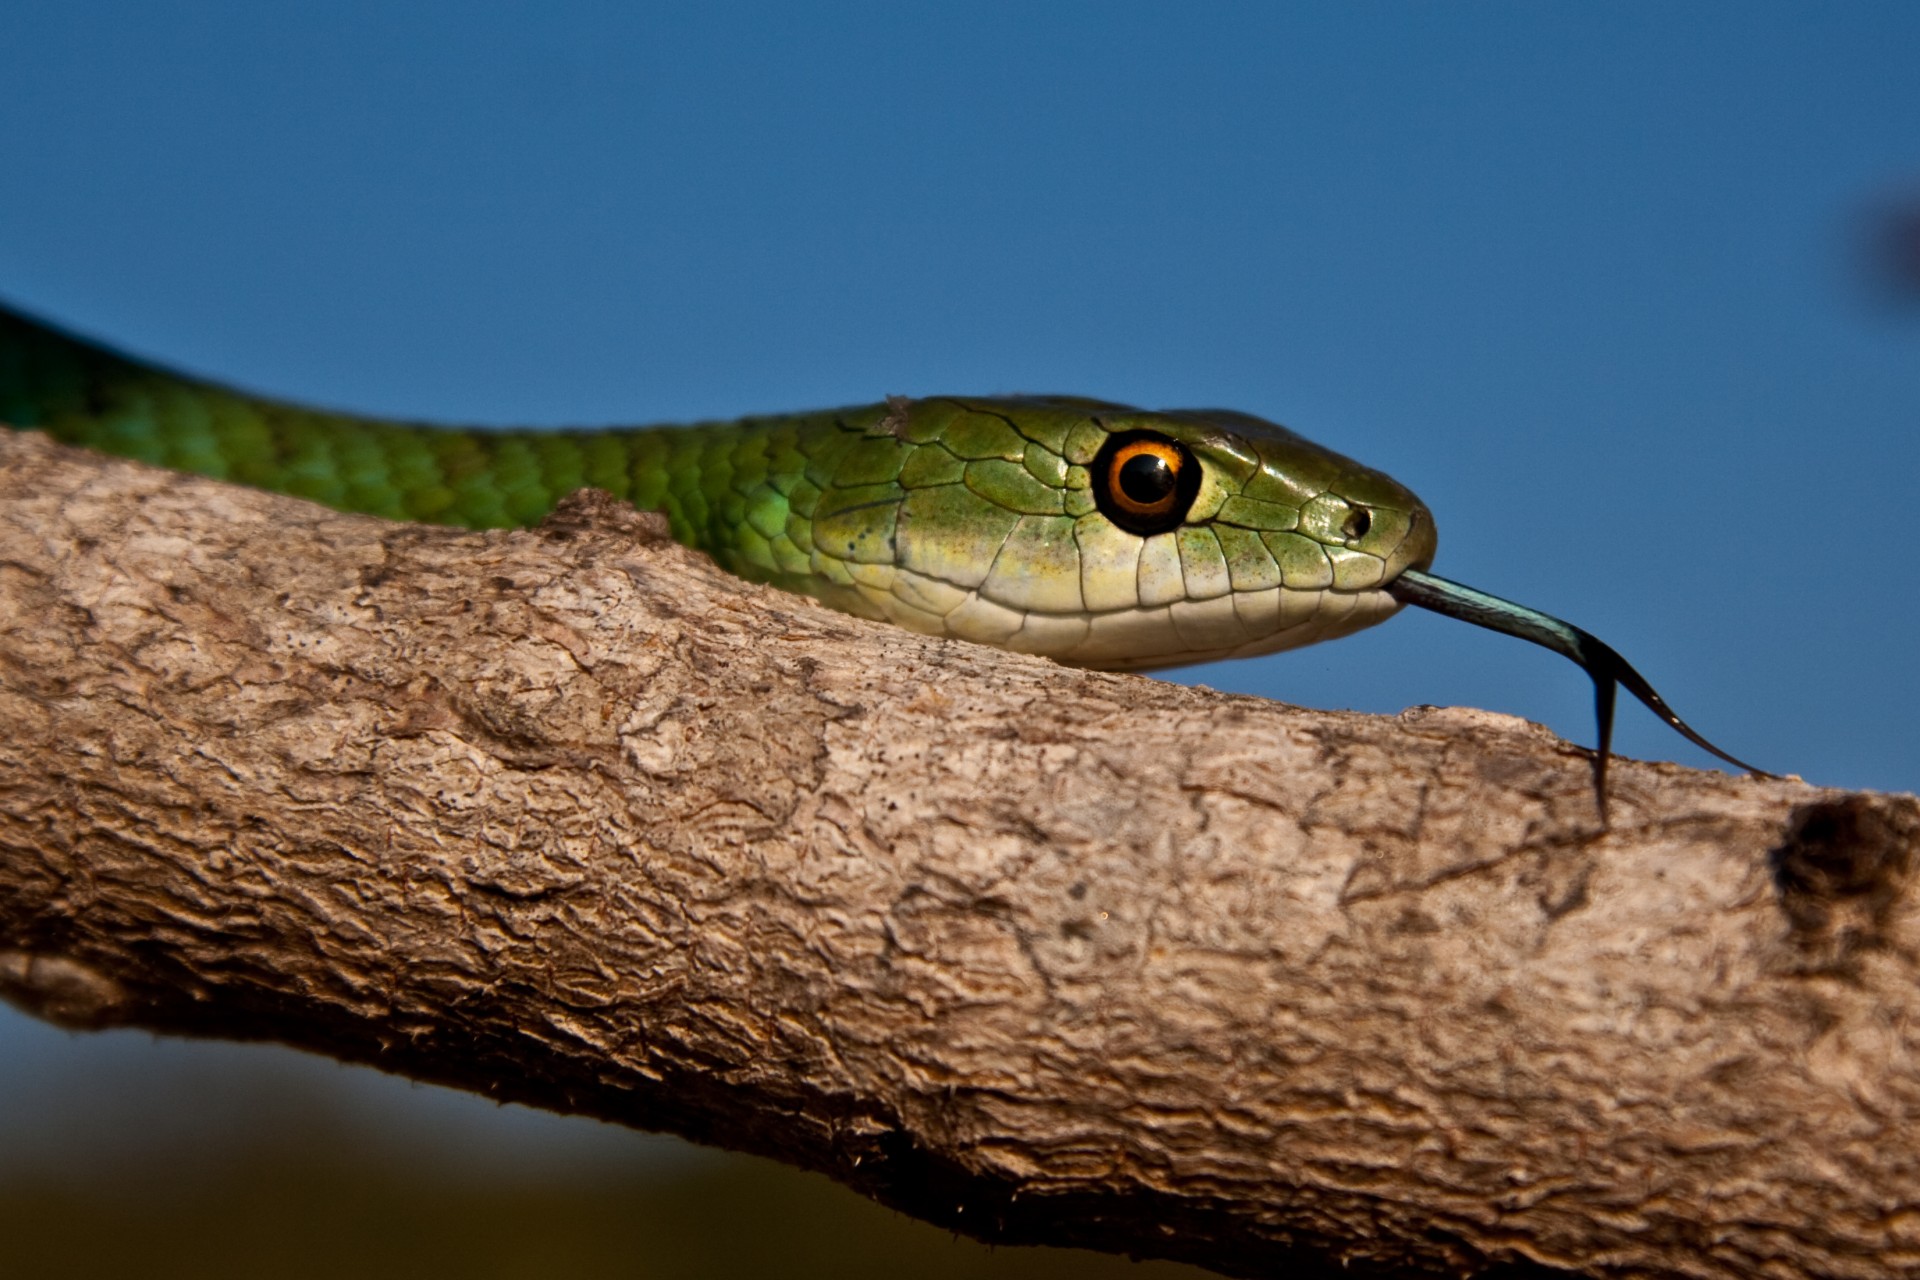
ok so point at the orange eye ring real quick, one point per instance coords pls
(1144, 482)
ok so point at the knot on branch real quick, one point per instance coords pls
(1844, 865)
(597, 511)
(63, 991)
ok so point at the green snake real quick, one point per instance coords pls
(1092, 533)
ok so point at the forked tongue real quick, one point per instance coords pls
(1599, 659)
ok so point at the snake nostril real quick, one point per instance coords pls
(1358, 521)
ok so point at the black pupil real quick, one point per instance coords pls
(1146, 479)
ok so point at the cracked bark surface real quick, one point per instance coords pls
(569, 817)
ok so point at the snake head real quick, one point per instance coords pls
(1111, 537)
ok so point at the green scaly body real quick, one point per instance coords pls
(970, 517)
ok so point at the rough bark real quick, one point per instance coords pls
(569, 817)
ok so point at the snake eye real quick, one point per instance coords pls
(1144, 482)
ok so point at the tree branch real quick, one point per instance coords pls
(569, 817)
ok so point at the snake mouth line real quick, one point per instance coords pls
(1245, 623)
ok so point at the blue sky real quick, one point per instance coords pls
(1586, 278)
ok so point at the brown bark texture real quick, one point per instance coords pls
(569, 817)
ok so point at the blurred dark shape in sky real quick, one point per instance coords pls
(1893, 250)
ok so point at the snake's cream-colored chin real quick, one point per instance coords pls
(1239, 624)
(1311, 616)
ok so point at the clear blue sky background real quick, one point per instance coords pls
(1586, 278)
